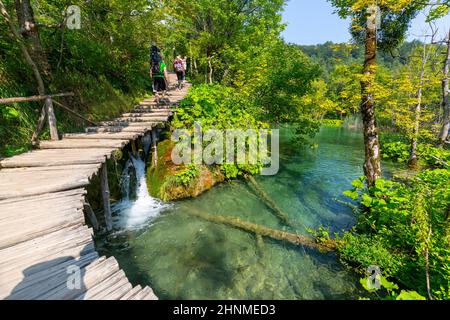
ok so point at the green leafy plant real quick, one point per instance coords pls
(187, 176)
(404, 229)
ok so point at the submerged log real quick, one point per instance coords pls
(263, 231)
(283, 217)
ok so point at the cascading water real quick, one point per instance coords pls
(136, 213)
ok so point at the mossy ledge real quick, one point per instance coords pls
(170, 182)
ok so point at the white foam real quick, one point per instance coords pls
(136, 214)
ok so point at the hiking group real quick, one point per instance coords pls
(159, 73)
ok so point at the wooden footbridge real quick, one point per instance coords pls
(46, 249)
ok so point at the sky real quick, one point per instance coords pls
(313, 22)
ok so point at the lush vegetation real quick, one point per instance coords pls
(246, 77)
(404, 229)
(105, 64)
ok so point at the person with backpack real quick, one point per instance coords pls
(159, 75)
(179, 67)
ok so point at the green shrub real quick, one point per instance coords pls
(404, 228)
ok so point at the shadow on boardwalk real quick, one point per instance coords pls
(57, 279)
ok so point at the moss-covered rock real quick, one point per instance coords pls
(170, 182)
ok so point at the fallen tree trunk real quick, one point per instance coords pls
(263, 231)
(283, 217)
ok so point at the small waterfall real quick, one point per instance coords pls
(135, 214)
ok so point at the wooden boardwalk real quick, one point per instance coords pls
(44, 242)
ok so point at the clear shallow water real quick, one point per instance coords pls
(183, 257)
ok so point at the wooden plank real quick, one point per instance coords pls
(141, 119)
(119, 292)
(147, 115)
(42, 282)
(57, 157)
(149, 294)
(19, 231)
(76, 241)
(23, 184)
(42, 201)
(161, 112)
(45, 197)
(92, 275)
(131, 293)
(104, 136)
(94, 167)
(82, 144)
(107, 286)
(125, 124)
(119, 129)
(11, 278)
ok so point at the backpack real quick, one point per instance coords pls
(179, 66)
(156, 68)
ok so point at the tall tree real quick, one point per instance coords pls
(30, 31)
(445, 97)
(424, 58)
(377, 24)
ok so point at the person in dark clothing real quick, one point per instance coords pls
(159, 75)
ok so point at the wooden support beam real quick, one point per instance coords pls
(39, 127)
(154, 148)
(51, 119)
(106, 196)
(134, 149)
(91, 215)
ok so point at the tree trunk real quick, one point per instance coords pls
(31, 62)
(27, 23)
(24, 50)
(372, 165)
(211, 70)
(269, 202)
(445, 98)
(413, 161)
(259, 230)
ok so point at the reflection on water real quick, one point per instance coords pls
(183, 257)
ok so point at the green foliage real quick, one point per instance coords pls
(215, 107)
(221, 108)
(105, 64)
(332, 123)
(187, 176)
(389, 289)
(405, 228)
(363, 251)
(230, 171)
(396, 151)
(439, 11)
(430, 155)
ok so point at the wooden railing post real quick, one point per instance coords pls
(154, 147)
(106, 196)
(40, 126)
(91, 215)
(51, 119)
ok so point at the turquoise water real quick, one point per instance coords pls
(182, 257)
